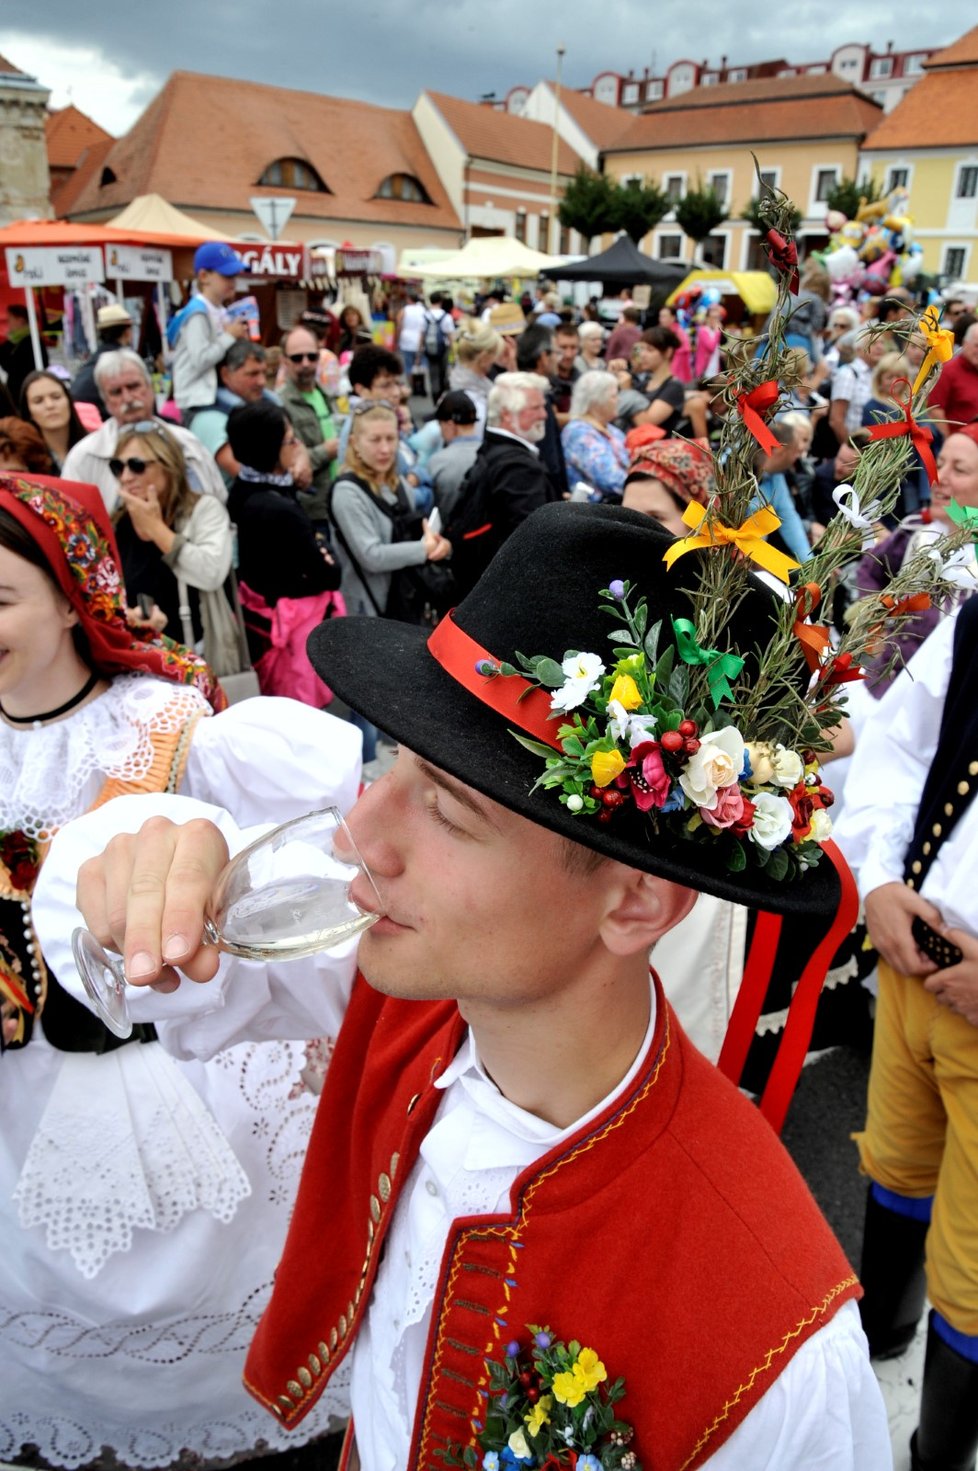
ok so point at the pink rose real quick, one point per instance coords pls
(729, 808)
(649, 779)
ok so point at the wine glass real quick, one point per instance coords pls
(284, 896)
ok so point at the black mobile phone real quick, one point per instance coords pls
(934, 945)
(145, 604)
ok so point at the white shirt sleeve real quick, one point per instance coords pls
(893, 757)
(256, 765)
(824, 1413)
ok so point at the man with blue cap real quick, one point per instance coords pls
(199, 335)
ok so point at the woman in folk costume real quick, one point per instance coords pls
(143, 1199)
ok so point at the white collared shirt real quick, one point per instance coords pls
(508, 434)
(825, 1409)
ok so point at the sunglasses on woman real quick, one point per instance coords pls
(133, 464)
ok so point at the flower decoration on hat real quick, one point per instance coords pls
(549, 1404)
(710, 743)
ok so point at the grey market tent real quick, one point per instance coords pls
(622, 264)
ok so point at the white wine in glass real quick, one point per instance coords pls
(284, 896)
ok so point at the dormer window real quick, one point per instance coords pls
(107, 177)
(404, 187)
(293, 173)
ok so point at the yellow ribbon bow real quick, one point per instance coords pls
(940, 344)
(748, 539)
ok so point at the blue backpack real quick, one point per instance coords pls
(175, 325)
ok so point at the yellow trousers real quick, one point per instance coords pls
(921, 1135)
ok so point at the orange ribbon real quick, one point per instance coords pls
(748, 539)
(920, 436)
(918, 603)
(841, 670)
(752, 405)
(813, 637)
(940, 345)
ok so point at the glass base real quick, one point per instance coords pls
(104, 982)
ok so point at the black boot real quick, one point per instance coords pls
(892, 1276)
(947, 1437)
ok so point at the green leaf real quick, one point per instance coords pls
(652, 642)
(537, 747)
(664, 666)
(779, 864)
(737, 860)
(549, 672)
(679, 686)
(624, 636)
(641, 617)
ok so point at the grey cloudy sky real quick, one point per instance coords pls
(111, 59)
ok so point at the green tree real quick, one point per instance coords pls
(847, 196)
(753, 215)
(639, 207)
(589, 203)
(699, 212)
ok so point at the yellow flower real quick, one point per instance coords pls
(625, 691)
(539, 1414)
(605, 766)
(569, 1388)
(591, 1369)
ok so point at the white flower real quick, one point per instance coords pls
(788, 767)
(821, 825)
(583, 673)
(625, 726)
(518, 1445)
(772, 820)
(718, 763)
(574, 802)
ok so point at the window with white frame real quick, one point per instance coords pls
(914, 65)
(629, 93)
(653, 91)
(719, 182)
(669, 247)
(714, 251)
(880, 67)
(967, 186)
(738, 74)
(897, 177)
(771, 178)
(543, 233)
(955, 260)
(709, 79)
(520, 229)
(675, 186)
(825, 182)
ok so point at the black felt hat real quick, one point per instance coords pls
(539, 595)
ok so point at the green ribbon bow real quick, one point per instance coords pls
(966, 516)
(720, 668)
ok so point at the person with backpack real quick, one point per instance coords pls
(199, 335)
(381, 540)
(438, 332)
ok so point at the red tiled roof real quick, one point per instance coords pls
(960, 52)
(939, 111)
(768, 110)
(204, 142)
(8, 69)
(502, 136)
(604, 125)
(88, 167)
(69, 132)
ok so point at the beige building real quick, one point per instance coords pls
(806, 133)
(24, 185)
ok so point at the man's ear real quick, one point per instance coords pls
(642, 911)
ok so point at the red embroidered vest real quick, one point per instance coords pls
(674, 1236)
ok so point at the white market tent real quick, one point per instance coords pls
(152, 213)
(488, 257)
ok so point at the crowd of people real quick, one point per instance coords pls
(518, 1151)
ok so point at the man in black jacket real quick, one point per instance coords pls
(508, 479)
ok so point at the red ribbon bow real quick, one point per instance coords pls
(783, 256)
(813, 637)
(841, 670)
(755, 403)
(920, 437)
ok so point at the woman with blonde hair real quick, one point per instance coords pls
(167, 533)
(477, 346)
(379, 531)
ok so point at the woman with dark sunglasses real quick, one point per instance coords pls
(167, 533)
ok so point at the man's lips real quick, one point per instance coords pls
(364, 898)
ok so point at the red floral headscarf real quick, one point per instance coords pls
(684, 467)
(70, 525)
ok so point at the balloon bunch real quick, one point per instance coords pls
(692, 305)
(873, 253)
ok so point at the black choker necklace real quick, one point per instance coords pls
(82, 694)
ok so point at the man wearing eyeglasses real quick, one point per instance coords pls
(123, 381)
(308, 408)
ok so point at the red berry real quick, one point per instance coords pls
(671, 741)
(691, 747)
(688, 728)
(614, 798)
(533, 1394)
(526, 1378)
(596, 792)
(604, 815)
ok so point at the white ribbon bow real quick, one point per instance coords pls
(847, 500)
